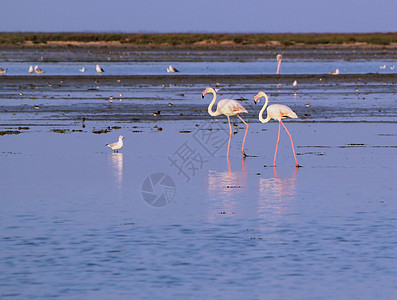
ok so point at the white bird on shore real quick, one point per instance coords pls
(336, 72)
(382, 67)
(295, 83)
(392, 68)
(116, 146)
(99, 69)
(38, 70)
(31, 70)
(2, 71)
(82, 69)
(171, 69)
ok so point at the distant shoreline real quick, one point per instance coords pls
(195, 40)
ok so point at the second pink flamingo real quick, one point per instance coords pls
(276, 112)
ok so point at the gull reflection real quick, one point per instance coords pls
(225, 189)
(275, 193)
(116, 160)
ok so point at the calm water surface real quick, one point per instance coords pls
(291, 66)
(74, 223)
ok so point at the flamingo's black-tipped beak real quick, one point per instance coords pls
(202, 96)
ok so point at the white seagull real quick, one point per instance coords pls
(295, 83)
(116, 146)
(336, 72)
(82, 69)
(171, 69)
(31, 70)
(99, 69)
(382, 67)
(38, 70)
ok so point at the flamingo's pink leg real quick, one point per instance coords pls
(292, 144)
(230, 136)
(245, 135)
(278, 140)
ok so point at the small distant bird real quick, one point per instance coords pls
(82, 69)
(382, 67)
(276, 112)
(37, 107)
(116, 146)
(336, 72)
(38, 70)
(2, 71)
(295, 83)
(392, 67)
(156, 114)
(31, 70)
(169, 104)
(121, 95)
(20, 93)
(171, 69)
(279, 58)
(99, 69)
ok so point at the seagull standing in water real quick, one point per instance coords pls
(116, 146)
(2, 71)
(38, 70)
(99, 69)
(336, 72)
(31, 70)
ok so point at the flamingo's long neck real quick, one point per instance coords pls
(213, 113)
(262, 110)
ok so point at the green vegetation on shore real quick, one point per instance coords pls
(187, 39)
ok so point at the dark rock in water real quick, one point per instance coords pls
(100, 131)
(60, 130)
(9, 132)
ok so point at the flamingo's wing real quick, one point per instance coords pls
(287, 112)
(230, 107)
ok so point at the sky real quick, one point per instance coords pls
(224, 16)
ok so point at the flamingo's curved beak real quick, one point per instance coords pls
(257, 99)
(203, 94)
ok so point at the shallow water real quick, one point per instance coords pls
(291, 66)
(78, 221)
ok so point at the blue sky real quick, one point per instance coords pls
(272, 16)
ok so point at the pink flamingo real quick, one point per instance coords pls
(279, 58)
(228, 108)
(276, 112)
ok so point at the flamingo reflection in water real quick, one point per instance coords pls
(275, 193)
(225, 189)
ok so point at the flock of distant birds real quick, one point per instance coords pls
(98, 68)
(227, 107)
(172, 69)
